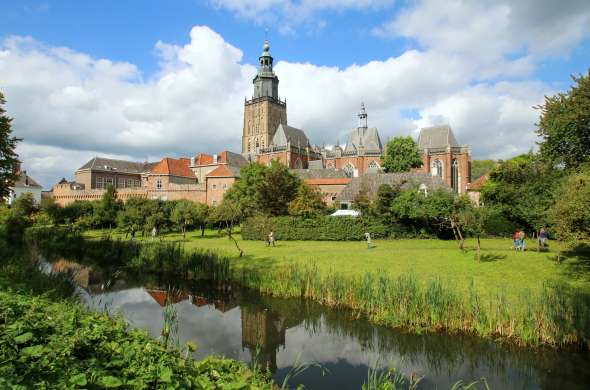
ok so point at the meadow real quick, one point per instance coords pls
(501, 268)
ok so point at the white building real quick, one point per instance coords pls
(25, 184)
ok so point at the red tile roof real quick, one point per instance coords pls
(479, 183)
(328, 181)
(222, 171)
(204, 159)
(174, 167)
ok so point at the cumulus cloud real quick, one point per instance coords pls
(288, 15)
(69, 106)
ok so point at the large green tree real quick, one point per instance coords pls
(185, 214)
(401, 155)
(8, 156)
(267, 190)
(106, 210)
(309, 202)
(523, 189)
(571, 212)
(564, 125)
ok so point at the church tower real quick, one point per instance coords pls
(265, 111)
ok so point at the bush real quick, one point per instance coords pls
(318, 229)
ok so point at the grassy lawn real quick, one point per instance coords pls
(500, 269)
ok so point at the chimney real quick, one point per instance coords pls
(215, 158)
(17, 167)
(192, 161)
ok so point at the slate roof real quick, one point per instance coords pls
(290, 134)
(436, 137)
(225, 171)
(108, 164)
(315, 164)
(372, 181)
(25, 180)
(319, 173)
(173, 167)
(367, 137)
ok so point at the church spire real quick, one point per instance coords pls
(266, 82)
(362, 116)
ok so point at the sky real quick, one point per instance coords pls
(144, 79)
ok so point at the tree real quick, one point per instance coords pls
(385, 196)
(184, 214)
(53, 210)
(523, 189)
(8, 157)
(108, 207)
(361, 201)
(132, 218)
(564, 125)
(278, 189)
(474, 220)
(571, 212)
(227, 214)
(309, 202)
(201, 216)
(481, 167)
(245, 191)
(401, 155)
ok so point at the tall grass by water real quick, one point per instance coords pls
(558, 316)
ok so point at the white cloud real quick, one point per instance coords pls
(70, 107)
(288, 15)
(492, 29)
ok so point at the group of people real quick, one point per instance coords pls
(519, 239)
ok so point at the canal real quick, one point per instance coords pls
(238, 323)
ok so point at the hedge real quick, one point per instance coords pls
(318, 229)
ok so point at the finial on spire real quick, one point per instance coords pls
(362, 116)
(266, 46)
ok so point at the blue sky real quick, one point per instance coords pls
(145, 79)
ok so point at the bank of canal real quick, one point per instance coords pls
(227, 320)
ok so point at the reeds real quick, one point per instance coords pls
(558, 315)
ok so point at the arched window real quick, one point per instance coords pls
(436, 168)
(298, 164)
(349, 170)
(455, 176)
(257, 144)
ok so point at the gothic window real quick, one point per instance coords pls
(436, 168)
(298, 164)
(249, 146)
(373, 164)
(349, 170)
(257, 144)
(455, 175)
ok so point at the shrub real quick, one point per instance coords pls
(318, 229)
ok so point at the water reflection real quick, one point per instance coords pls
(238, 323)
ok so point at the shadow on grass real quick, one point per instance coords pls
(576, 262)
(489, 257)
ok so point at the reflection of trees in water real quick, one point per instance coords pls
(265, 320)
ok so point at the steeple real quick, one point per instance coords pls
(266, 82)
(362, 116)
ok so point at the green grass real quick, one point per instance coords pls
(500, 269)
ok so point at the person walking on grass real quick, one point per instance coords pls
(543, 237)
(369, 242)
(516, 240)
(271, 239)
(521, 237)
